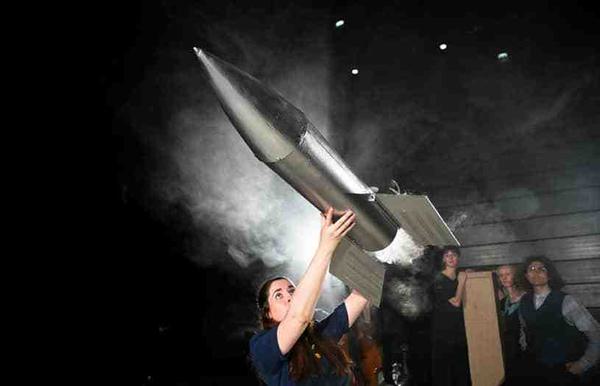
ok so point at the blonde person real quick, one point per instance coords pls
(510, 298)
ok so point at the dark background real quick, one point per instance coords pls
(508, 151)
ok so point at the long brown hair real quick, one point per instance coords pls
(304, 356)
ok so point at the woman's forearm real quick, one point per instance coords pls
(302, 305)
(307, 293)
(457, 299)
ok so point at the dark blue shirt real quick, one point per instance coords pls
(272, 365)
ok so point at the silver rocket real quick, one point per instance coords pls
(282, 137)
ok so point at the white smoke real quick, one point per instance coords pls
(457, 219)
(402, 250)
(237, 198)
(408, 296)
(405, 293)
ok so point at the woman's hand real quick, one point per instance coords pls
(455, 301)
(333, 232)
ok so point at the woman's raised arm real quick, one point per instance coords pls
(302, 305)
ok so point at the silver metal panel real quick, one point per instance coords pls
(419, 218)
(318, 150)
(373, 231)
(358, 271)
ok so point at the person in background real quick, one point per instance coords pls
(555, 328)
(449, 356)
(510, 296)
(292, 349)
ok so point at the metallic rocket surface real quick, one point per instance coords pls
(282, 137)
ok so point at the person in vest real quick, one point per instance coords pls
(555, 328)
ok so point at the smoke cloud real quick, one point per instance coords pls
(408, 296)
(402, 250)
(211, 172)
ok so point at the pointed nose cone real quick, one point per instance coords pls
(269, 124)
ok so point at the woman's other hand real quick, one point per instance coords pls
(455, 301)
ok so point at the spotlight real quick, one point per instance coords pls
(443, 46)
(339, 23)
(354, 71)
(503, 56)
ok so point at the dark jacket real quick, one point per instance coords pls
(550, 339)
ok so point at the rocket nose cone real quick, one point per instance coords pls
(268, 123)
(210, 62)
(201, 55)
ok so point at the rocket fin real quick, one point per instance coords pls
(419, 218)
(358, 271)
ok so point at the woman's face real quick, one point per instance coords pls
(279, 298)
(506, 276)
(450, 259)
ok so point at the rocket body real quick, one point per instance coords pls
(282, 137)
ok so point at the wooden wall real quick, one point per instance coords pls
(543, 202)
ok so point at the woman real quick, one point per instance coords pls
(292, 349)
(450, 363)
(510, 296)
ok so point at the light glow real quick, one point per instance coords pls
(402, 250)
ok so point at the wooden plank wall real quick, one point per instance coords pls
(541, 203)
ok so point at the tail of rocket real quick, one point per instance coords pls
(417, 217)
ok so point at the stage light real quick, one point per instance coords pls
(339, 23)
(503, 56)
(354, 71)
(443, 46)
